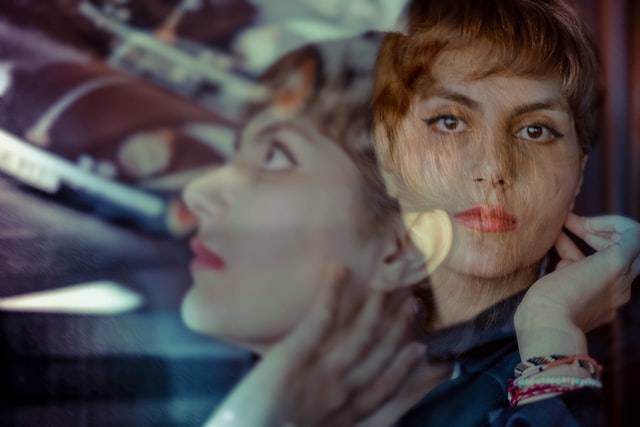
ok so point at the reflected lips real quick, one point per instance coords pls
(204, 258)
(488, 219)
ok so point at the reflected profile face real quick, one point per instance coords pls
(499, 153)
(270, 223)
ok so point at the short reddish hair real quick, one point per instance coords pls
(532, 38)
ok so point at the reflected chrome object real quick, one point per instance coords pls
(109, 142)
(39, 133)
(102, 137)
(98, 298)
(53, 174)
(184, 66)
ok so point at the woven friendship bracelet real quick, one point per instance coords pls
(537, 361)
(535, 387)
(517, 394)
(542, 363)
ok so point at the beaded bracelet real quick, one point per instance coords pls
(542, 363)
(563, 381)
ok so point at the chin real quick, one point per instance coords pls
(481, 264)
(489, 272)
(232, 326)
(193, 313)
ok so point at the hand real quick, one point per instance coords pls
(585, 291)
(343, 361)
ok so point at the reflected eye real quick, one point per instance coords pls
(538, 133)
(279, 158)
(447, 123)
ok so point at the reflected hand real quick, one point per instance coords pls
(342, 362)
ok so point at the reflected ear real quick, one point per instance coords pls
(294, 92)
(432, 233)
(420, 248)
(389, 183)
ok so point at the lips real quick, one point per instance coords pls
(487, 219)
(204, 259)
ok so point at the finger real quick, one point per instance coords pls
(601, 231)
(621, 259)
(630, 241)
(630, 247)
(314, 328)
(350, 341)
(567, 249)
(597, 238)
(621, 246)
(609, 224)
(398, 330)
(635, 268)
(379, 312)
(389, 381)
(352, 299)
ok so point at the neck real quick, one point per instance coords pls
(459, 297)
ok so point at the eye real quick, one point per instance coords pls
(279, 158)
(447, 123)
(538, 133)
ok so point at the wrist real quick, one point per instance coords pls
(543, 329)
(547, 376)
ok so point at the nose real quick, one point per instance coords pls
(493, 179)
(207, 196)
(495, 163)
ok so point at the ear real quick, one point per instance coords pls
(297, 87)
(579, 186)
(585, 157)
(419, 248)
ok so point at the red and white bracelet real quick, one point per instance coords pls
(527, 385)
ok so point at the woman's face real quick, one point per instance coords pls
(271, 222)
(500, 155)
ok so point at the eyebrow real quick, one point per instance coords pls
(548, 104)
(238, 142)
(551, 104)
(450, 95)
(271, 128)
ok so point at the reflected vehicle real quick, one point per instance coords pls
(109, 142)
(112, 135)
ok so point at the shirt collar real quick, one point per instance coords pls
(492, 325)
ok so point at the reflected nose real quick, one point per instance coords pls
(207, 196)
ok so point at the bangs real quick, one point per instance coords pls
(526, 38)
(515, 37)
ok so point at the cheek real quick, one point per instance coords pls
(556, 186)
(551, 200)
(307, 225)
(438, 176)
